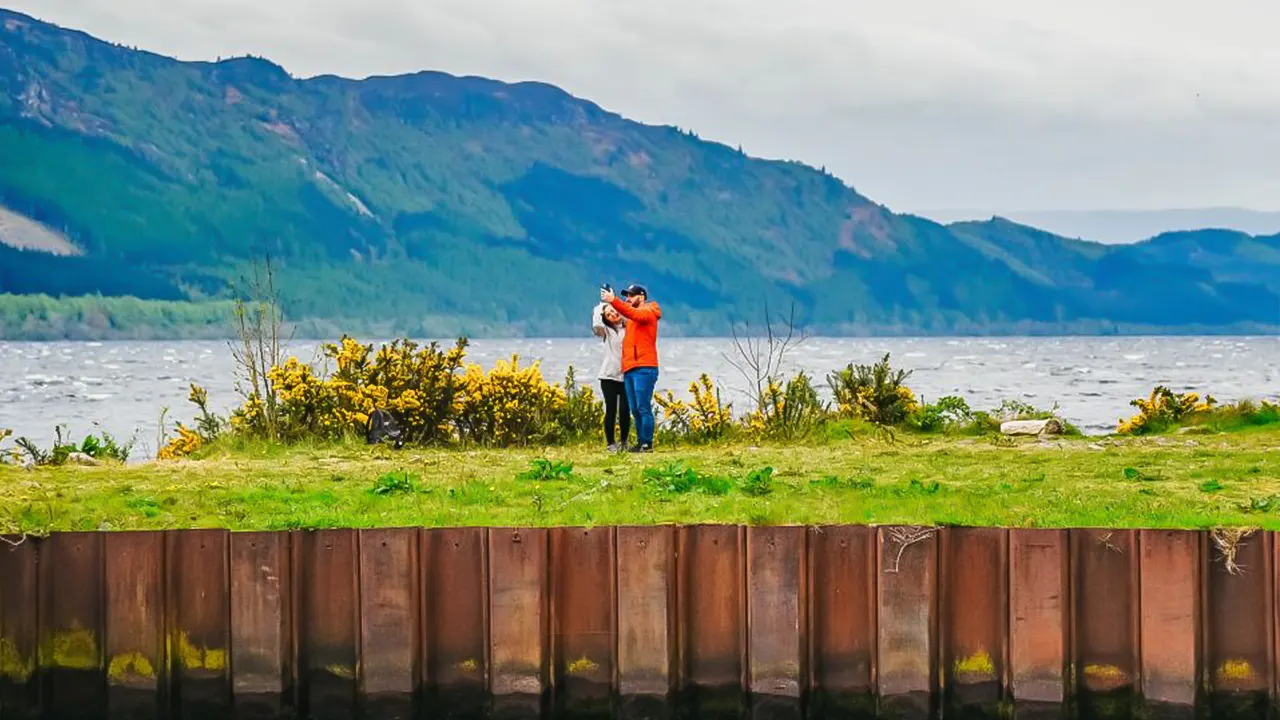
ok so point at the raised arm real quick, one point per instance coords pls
(597, 321)
(644, 314)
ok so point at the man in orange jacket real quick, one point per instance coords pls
(639, 357)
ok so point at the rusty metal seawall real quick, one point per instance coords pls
(779, 621)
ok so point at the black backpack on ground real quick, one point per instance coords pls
(383, 428)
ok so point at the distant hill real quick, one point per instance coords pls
(434, 204)
(1130, 226)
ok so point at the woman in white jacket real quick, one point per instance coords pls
(610, 327)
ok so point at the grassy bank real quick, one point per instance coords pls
(1187, 481)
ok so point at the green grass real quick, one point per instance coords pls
(1208, 481)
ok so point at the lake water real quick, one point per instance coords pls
(123, 387)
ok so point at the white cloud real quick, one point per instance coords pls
(1000, 104)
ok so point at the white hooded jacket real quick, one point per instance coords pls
(611, 363)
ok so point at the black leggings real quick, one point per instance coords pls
(615, 409)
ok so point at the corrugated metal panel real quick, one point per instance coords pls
(646, 611)
(974, 616)
(137, 667)
(71, 625)
(583, 586)
(785, 613)
(1239, 642)
(842, 617)
(712, 618)
(390, 635)
(261, 641)
(1038, 616)
(19, 627)
(907, 611)
(519, 621)
(1170, 590)
(455, 583)
(1105, 608)
(777, 625)
(327, 624)
(199, 621)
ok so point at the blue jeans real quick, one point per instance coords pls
(640, 382)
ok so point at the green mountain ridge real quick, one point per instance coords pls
(433, 204)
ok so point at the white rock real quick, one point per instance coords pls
(1032, 427)
(82, 459)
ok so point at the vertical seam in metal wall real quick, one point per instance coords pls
(940, 645)
(100, 549)
(358, 609)
(672, 614)
(744, 610)
(548, 618)
(680, 623)
(1006, 622)
(1268, 562)
(809, 673)
(297, 570)
(1136, 614)
(613, 610)
(487, 609)
(1070, 682)
(229, 675)
(802, 623)
(171, 574)
(873, 602)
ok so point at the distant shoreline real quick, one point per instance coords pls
(42, 318)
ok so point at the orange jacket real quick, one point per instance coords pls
(640, 345)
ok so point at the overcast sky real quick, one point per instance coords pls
(994, 105)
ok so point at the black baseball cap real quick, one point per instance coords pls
(634, 290)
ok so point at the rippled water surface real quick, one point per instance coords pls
(123, 387)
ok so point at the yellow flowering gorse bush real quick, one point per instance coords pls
(787, 409)
(705, 417)
(1164, 408)
(418, 384)
(187, 441)
(508, 405)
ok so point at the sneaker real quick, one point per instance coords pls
(615, 447)
(641, 449)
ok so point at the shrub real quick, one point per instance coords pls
(877, 393)
(705, 417)
(186, 442)
(948, 412)
(395, 483)
(582, 414)
(789, 411)
(677, 479)
(758, 483)
(103, 447)
(417, 384)
(509, 405)
(1163, 409)
(542, 470)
